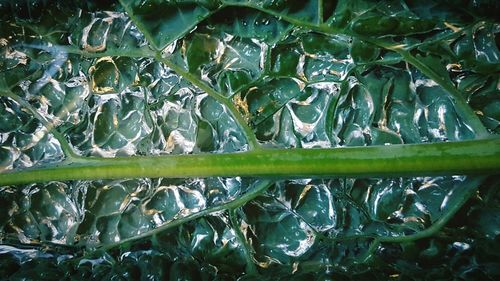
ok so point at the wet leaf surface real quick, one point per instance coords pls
(111, 79)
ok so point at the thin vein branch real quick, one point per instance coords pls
(260, 187)
(65, 146)
(318, 27)
(240, 120)
(471, 187)
(461, 104)
(320, 11)
(140, 25)
(131, 53)
(247, 249)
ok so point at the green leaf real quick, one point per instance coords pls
(244, 140)
(165, 22)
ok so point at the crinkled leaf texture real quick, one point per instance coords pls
(147, 77)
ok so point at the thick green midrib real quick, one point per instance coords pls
(451, 158)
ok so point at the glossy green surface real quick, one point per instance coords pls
(249, 140)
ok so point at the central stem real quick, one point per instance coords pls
(451, 158)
